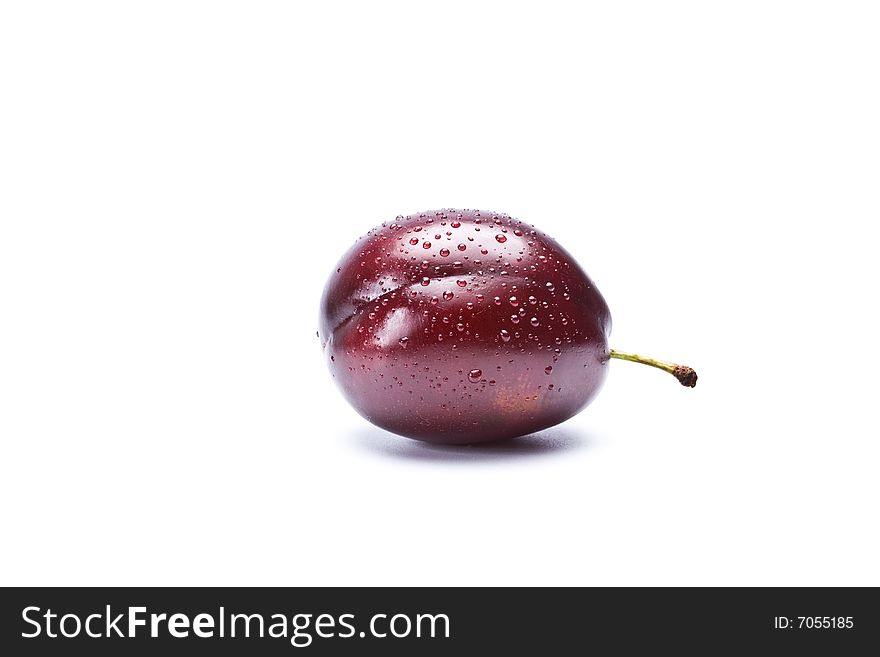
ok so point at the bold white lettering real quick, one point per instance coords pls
(134, 621)
(178, 626)
(203, 626)
(155, 619)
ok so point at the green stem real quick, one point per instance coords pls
(685, 375)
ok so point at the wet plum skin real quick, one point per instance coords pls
(461, 326)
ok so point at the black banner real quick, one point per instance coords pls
(428, 621)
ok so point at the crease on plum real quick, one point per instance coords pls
(362, 301)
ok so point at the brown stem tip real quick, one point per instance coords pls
(686, 375)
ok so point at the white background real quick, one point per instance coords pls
(177, 180)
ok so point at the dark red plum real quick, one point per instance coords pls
(461, 326)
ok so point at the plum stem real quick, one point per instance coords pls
(686, 375)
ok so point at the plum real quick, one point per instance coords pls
(461, 326)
